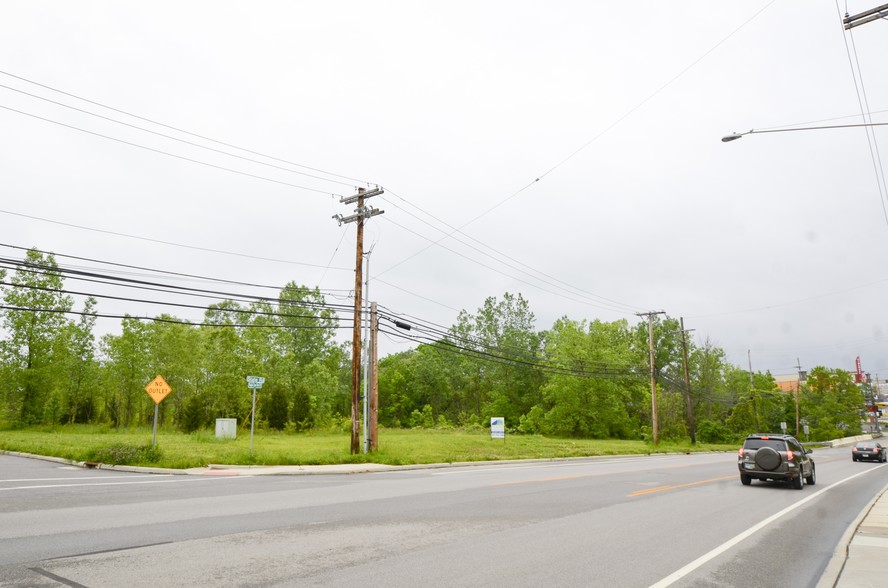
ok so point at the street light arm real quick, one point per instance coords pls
(735, 136)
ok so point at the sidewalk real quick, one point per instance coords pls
(861, 558)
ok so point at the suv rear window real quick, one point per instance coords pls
(778, 444)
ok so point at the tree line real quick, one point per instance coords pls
(579, 378)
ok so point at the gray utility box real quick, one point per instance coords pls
(226, 428)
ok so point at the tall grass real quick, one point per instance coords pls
(396, 446)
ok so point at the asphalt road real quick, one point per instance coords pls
(679, 520)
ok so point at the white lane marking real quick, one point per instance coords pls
(677, 575)
(84, 478)
(179, 480)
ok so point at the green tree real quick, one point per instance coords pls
(595, 394)
(831, 403)
(128, 371)
(395, 397)
(35, 343)
(276, 407)
(175, 350)
(84, 384)
(316, 391)
(708, 367)
(503, 368)
(227, 363)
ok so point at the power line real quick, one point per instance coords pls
(158, 319)
(167, 153)
(600, 134)
(179, 129)
(497, 270)
(551, 280)
(153, 270)
(866, 117)
(171, 243)
(193, 144)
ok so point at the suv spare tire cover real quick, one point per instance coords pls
(767, 458)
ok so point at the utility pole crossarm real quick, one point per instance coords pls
(864, 17)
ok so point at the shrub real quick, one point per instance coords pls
(713, 432)
(121, 454)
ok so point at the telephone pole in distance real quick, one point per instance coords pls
(655, 426)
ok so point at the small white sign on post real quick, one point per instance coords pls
(497, 427)
(254, 383)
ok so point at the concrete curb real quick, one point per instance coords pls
(330, 469)
(94, 465)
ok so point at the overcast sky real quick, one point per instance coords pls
(574, 144)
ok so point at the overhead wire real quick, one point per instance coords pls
(173, 244)
(601, 133)
(148, 269)
(866, 116)
(160, 319)
(180, 140)
(180, 130)
(425, 332)
(167, 153)
(499, 271)
(551, 280)
(191, 159)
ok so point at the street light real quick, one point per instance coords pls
(735, 136)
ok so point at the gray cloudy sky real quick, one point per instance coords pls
(775, 243)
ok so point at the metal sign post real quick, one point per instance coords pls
(157, 390)
(254, 383)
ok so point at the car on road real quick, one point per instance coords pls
(868, 450)
(766, 456)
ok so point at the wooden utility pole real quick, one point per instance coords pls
(655, 424)
(684, 346)
(798, 393)
(361, 212)
(755, 416)
(374, 382)
(356, 332)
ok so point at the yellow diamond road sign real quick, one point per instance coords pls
(158, 389)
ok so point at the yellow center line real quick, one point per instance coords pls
(539, 480)
(689, 484)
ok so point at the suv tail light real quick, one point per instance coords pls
(789, 455)
(740, 453)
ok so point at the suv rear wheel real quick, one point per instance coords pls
(798, 482)
(745, 480)
(812, 479)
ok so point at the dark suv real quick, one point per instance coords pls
(775, 457)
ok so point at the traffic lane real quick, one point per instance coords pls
(99, 506)
(180, 516)
(541, 532)
(35, 484)
(636, 545)
(795, 550)
(516, 508)
(520, 495)
(28, 484)
(515, 511)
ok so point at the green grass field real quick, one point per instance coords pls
(396, 447)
